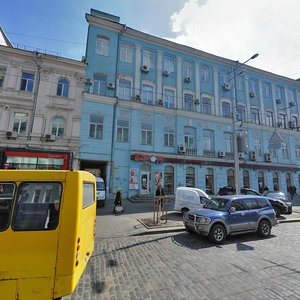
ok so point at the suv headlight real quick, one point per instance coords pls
(204, 220)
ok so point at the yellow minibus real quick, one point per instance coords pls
(47, 232)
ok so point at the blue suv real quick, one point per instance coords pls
(230, 215)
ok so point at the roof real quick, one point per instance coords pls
(4, 41)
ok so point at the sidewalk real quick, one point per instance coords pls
(138, 219)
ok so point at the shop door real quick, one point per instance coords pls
(145, 183)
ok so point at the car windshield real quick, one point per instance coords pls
(216, 204)
(277, 195)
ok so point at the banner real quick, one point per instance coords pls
(133, 179)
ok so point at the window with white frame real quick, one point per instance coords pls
(273, 153)
(99, 84)
(190, 137)
(228, 142)
(279, 92)
(226, 110)
(126, 53)
(169, 64)
(2, 76)
(206, 106)
(252, 85)
(241, 113)
(294, 123)
(205, 74)
(102, 45)
(187, 70)
(147, 94)
(257, 146)
(169, 98)
(291, 95)
(208, 140)
(267, 89)
(122, 130)
(62, 88)
(189, 102)
(146, 134)
(27, 82)
(281, 120)
(58, 126)
(148, 59)
(96, 127)
(169, 136)
(223, 77)
(255, 115)
(269, 118)
(285, 150)
(297, 151)
(124, 89)
(20, 122)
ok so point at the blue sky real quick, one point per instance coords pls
(234, 29)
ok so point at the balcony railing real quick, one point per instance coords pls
(191, 151)
(209, 153)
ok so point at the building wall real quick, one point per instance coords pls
(251, 93)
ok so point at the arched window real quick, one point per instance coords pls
(58, 126)
(169, 180)
(288, 180)
(63, 88)
(190, 177)
(209, 181)
(276, 181)
(230, 177)
(246, 179)
(261, 181)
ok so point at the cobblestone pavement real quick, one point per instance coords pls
(186, 266)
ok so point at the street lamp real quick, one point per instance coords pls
(234, 119)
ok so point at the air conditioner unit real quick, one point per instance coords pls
(50, 138)
(181, 149)
(252, 155)
(166, 73)
(241, 155)
(197, 102)
(187, 79)
(145, 69)
(111, 85)
(226, 86)
(160, 102)
(278, 101)
(137, 98)
(221, 154)
(6, 107)
(11, 135)
(89, 81)
(251, 94)
(292, 104)
(267, 157)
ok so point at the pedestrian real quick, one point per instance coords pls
(160, 192)
(291, 191)
(266, 189)
(118, 202)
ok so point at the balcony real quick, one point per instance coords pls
(191, 151)
(209, 153)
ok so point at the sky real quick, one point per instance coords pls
(234, 29)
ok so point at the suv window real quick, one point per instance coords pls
(248, 204)
(238, 204)
(262, 202)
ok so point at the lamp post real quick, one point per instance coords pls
(234, 119)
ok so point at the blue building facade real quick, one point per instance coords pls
(159, 112)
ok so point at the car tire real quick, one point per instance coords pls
(277, 212)
(217, 234)
(264, 228)
(184, 211)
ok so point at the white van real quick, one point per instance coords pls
(189, 199)
(100, 187)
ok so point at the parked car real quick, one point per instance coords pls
(230, 215)
(280, 203)
(230, 190)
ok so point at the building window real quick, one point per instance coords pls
(169, 180)
(288, 180)
(261, 181)
(169, 98)
(226, 110)
(258, 146)
(2, 76)
(205, 74)
(122, 131)
(96, 127)
(169, 64)
(124, 89)
(281, 120)
(169, 136)
(209, 181)
(188, 102)
(297, 151)
(279, 92)
(190, 177)
(58, 126)
(99, 85)
(276, 186)
(255, 115)
(190, 137)
(147, 94)
(252, 85)
(230, 177)
(102, 45)
(188, 70)
(148, 59)
(285, 150)
(241, 113)
(126, 53)
(267, 90)
(206, 106)
(246, 179)
(294, 123)
(223, 78)
(20, 123)
(228, 142)
(63, 88)
(239, 83)
(27, 81)
(208, 140)
(146, 134)
(269, 118)
(291, 95)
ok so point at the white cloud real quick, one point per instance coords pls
(236, 29)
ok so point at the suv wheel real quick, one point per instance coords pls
(184, 211)
(264, 228)
(277, 212)
(217, 234)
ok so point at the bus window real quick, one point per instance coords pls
(6, 196)
(88, 194)
(37, 206)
